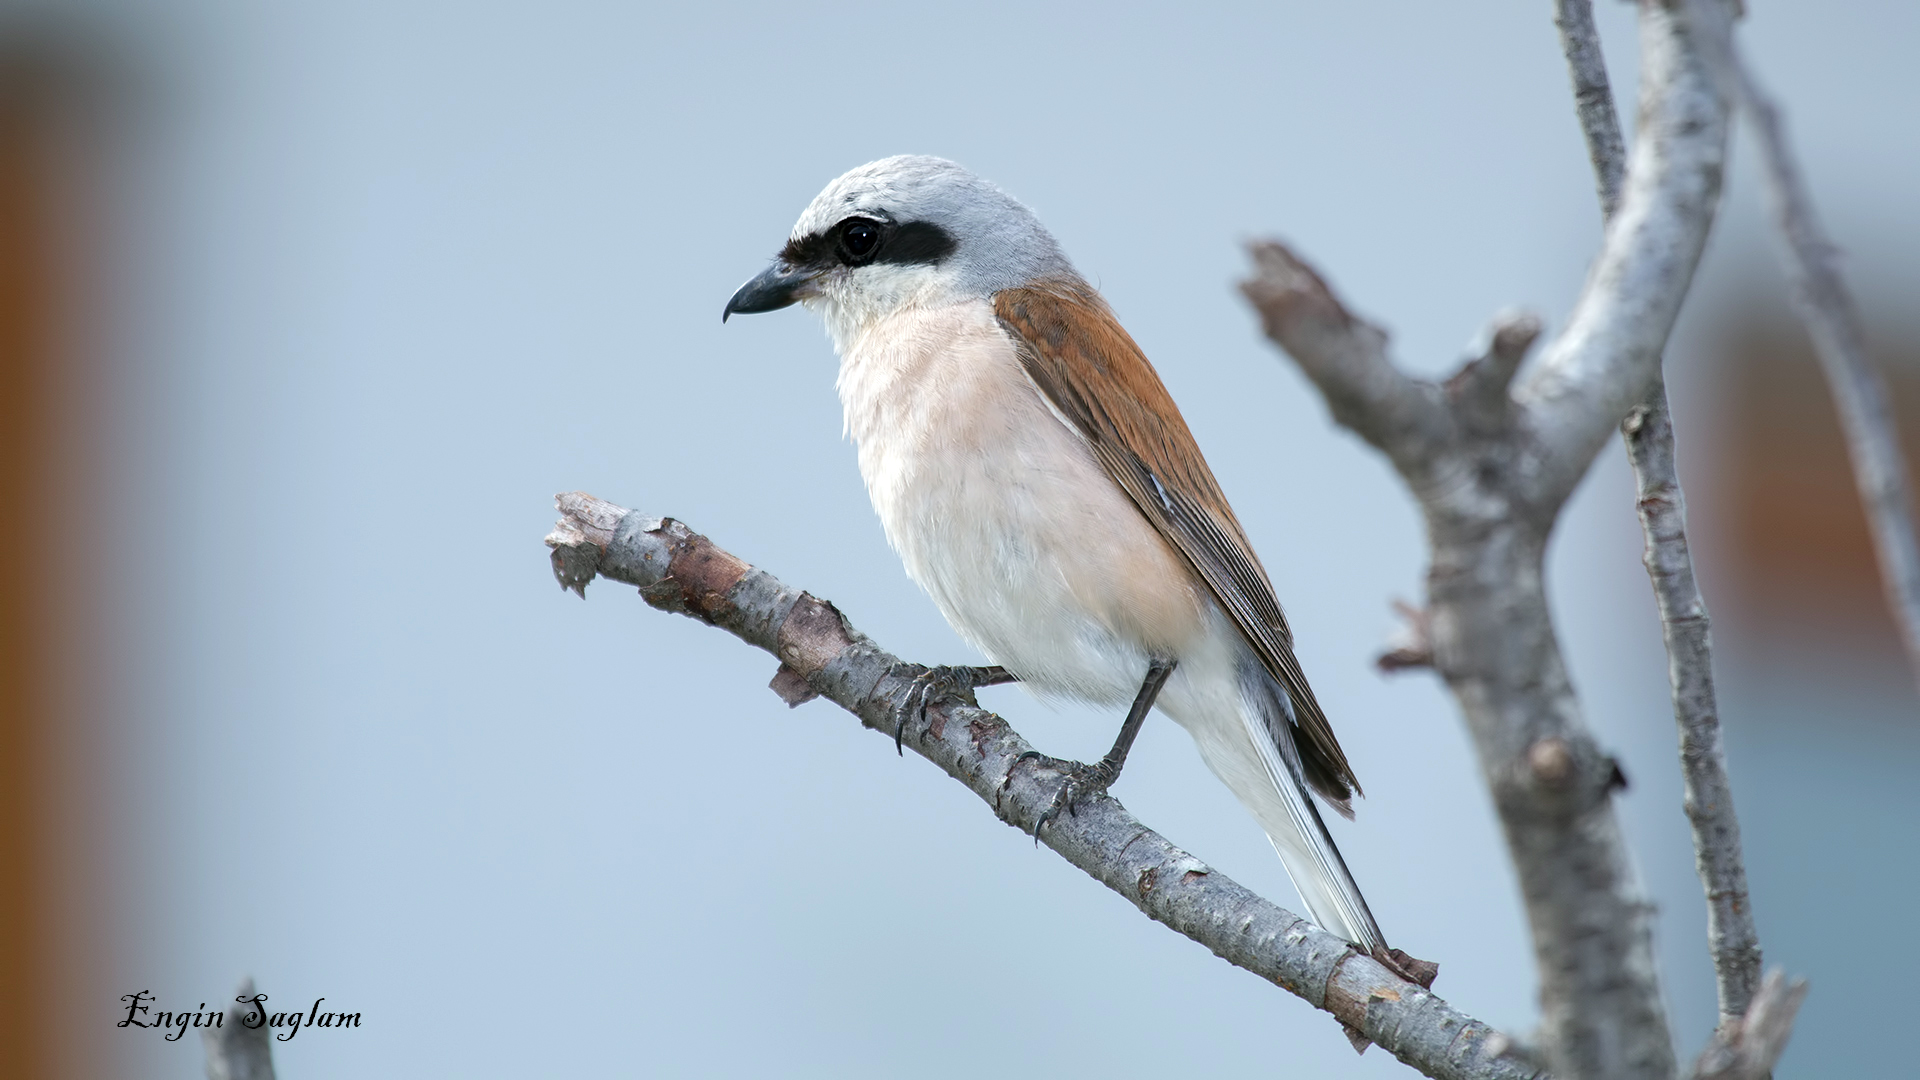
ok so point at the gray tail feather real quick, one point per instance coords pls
(1305, 847)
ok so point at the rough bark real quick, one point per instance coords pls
(679, 570)
(1732, 940)
(1491, 464)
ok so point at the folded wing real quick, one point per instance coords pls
(1099, 381)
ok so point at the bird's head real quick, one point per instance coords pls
(902, 231)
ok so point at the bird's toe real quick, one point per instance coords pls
(950, 683)
(1078, 781)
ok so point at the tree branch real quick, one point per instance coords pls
(679, 570)
(1732, 940)
(1593, 100)
(1346, 357)
(1747, 1048)
(236, 1050)
(1491, 638)
(1480, 392)
(1826, 307)
(1490, 493)
(1605, 360)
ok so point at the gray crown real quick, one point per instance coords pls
(1000, 244)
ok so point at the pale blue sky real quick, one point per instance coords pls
(398, 272)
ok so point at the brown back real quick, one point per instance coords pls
(1088, 366)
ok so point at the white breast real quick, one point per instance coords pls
(1001, 512)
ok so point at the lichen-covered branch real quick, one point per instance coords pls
(1490, 482)
(679, 570)
(1732, 940)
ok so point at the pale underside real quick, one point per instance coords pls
(1039, 559)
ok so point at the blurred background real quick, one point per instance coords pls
(310, 309)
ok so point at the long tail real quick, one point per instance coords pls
(1269, 781)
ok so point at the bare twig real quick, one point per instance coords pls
(1411, 646)
(680, 570)
(1648, 433)
(1490, 483)
(1747, 1048)
(1732, 940)
(1479, 391)
(1490, 637)
(1593, 99)
(1826, 306)
(1348, 361)
(238, 1049)
(1605, 360)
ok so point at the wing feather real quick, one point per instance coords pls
(1100, 382)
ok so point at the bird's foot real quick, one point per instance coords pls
(950, 683)
(1077, 781)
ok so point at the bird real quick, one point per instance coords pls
(1039, 483)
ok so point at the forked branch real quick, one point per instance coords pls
(1732, 939)
(1491, 472)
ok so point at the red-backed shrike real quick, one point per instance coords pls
(1039, 483)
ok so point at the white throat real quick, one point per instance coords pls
(856, 302)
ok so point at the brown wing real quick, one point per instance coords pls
(1087, 365)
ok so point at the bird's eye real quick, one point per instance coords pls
(859, 240)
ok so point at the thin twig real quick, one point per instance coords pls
(241, 1048)
(679, 570)
(1826, 307)
(1648, 433)
(1490, 482)
(1748, 1048)
(1604, 361)
(1732, 940)
(1487, 631)
(1593, 99)
(1346, 357)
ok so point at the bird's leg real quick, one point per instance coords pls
(944, 683)
(1081, 778)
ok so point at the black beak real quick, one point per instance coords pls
(777, 286)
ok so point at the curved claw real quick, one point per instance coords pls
(1080, 780)
(945, 681)
(918, 694)
(1045, 816)
(1066, 797)
(1007, 780)
(916, 702)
